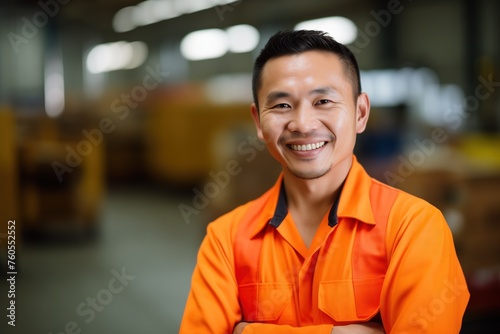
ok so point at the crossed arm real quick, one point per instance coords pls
(367, 328)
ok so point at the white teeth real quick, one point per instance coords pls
(308, 147)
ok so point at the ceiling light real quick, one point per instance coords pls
(340, 28)
(116, 56)
(54, 86)
(214, 43)
(204, 44)
(122, 20)
(242, 38)
(151, 11)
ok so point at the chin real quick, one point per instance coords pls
(309, 175)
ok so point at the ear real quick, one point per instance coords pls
(256, 119)
(362, 112)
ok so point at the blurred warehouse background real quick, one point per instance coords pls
(125, 129)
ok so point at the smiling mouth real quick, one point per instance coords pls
(307, 147)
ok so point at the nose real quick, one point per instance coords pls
(303, 120)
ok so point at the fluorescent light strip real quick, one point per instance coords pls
(204, 44)
(151, 11)
(340, 28)
(54, 86)
(214, 43)
(116, 56)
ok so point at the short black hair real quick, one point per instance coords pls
(289, 42)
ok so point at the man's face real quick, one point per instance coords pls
(308, 116)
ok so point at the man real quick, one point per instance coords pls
(327, 249)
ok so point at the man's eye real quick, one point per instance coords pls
(323, 101)
(282, 106)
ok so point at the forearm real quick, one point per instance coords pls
(259, 328)
(367, 328)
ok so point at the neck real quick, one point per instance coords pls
(317, 193)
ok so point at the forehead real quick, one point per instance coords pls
(310, 67)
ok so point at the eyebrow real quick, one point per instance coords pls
(323, 90)
(273, 96)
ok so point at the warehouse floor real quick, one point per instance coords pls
(133, 278)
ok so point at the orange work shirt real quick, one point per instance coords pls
(379, 254)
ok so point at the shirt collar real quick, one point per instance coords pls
(355, 198)
(353, 201)
(282, 209)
